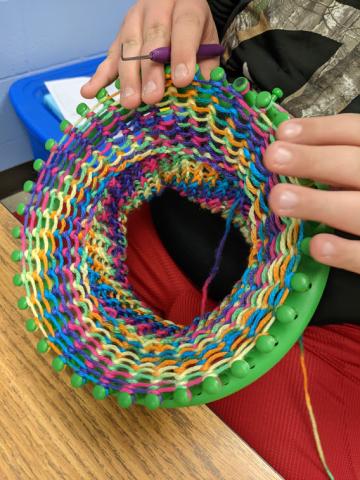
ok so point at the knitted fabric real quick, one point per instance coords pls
(205, 142)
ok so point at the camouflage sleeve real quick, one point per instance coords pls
(223, 11)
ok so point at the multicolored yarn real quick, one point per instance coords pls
(206, 141)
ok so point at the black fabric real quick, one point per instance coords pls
(351, 3)
(354, 106)
(224, 11)
(280, 57)
(272, 58)
(191, 238)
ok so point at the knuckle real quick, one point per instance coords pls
(189, 18)
(155, 31)
(131, 42)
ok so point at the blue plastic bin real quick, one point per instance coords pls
(27, 96)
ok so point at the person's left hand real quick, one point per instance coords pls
(325, 149)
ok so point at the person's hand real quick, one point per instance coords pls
(326, 149)
(150, 24)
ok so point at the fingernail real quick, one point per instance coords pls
(149, 87)
(283, 156)
(127, 92)
(292, 129)
(288, 200)
(327, 249)
(181, 71)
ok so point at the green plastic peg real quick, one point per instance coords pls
(285, 314)
(28, 186)
(240, 368)
(182, 396)
(82, 109)
(101, 94)
(217, 74)
(16, 232)
(30, 325)
(58, 364)
(277, 93)
(42, 346)
(305, 246)
(99, 392)
(37, 165)
(124, 399)
(49, 144)
(279, 118)
(152, 401)
(76, 380)
(240, 84)
(211, 385)
(250, 98)
(22, 303)
(300, 282)
(265, 343)
(20, 209)
(16, 255)
(263, 99)
(117, 84)
(17, 280)
(64, 125)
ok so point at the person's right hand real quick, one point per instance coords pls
(150, 24)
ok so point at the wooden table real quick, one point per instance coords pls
(50, 431)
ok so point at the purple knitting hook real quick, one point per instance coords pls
(163, 54)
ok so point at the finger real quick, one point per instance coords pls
(336, 252)
(332, 130)
(335, 165)
(105, 74)
(129, 71)
(335, 209)
(209, 36)
(188, 22)
(156, 34)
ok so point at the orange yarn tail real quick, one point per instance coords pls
(311, 412)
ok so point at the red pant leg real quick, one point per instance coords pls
(270, 414)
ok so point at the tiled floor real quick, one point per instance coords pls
(13, 201)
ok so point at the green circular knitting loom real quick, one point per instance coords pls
(205, 141)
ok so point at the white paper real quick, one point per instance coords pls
(66, 94)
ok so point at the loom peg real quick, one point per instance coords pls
(211, 384)
(240, 368)
(99, 392)
(42, 346)
(285, 314)
(152, 401)
(50, 144)
(37, 165)
(182, 396)
(300, 282)
(265, 343)
(77, 381)
(28, 186)
(124, 399)
(30, 325)
(16, 232)
(20, 209)
(58, 364)
(16, 255)
(23, 303)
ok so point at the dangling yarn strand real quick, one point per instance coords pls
(311, 412)
(218, 256)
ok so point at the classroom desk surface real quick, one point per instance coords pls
(50, 431)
